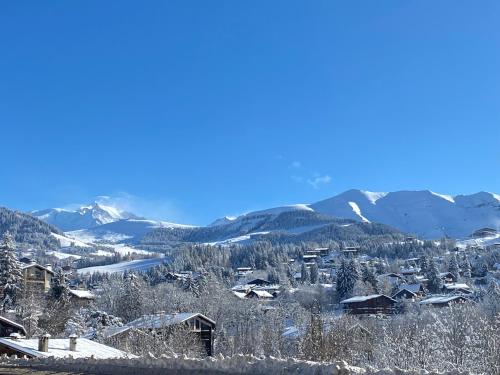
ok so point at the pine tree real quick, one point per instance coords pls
(314, 273)
(130, 303)
(346, 278)
(11, 278)
(453, 267)
(368, 276)
(434, 282)
(466, 268)
(304, 274)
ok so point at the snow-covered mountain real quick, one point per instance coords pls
(85, 217)
(424, 213)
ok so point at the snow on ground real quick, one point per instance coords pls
(102, 253)
(483, 241)
(61, 255)
(124, 249)
(67, 241)
(373, 196)
(133, 265)
(357, 211)
(238, 239)
(449, 198)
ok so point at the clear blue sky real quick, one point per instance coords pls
(198, 109)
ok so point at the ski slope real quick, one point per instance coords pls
(133, 265)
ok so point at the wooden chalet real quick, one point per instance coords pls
(161, 325)
(36, 277)
(368, 305)
(8, 327)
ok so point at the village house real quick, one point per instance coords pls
(409, 291)
(161, 325)
(368, 305)
(457, 288)
(259, 294)
(8, 327)
(59, 348)
(36, 277)
(447, 277)
(81, 297)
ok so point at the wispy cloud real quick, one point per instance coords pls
(317, 181)
(300, 174)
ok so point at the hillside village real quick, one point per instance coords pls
(368, 303)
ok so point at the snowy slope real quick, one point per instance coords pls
(122, 231)
(134, 265)
(425, 213)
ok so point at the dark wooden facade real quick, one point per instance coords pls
(367, 305)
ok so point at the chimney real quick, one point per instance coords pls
(43, 343)
(72, 342)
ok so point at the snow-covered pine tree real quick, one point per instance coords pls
(11, 278)
(453, 267)
(130, 303)
(347, 276)
(368, 276)
(466, 268)
(434, 282)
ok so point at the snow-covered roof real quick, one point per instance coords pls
(37, 266)
(12, 323)
(364, 298)
(59, 348)
(440, 299)
(84, 294)
(456, 286)
(240, 294)
(414, 288)
(261, 293)
(163, 320)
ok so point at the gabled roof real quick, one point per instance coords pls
(59, 348)
(260, 293)
(38, 266)
(414, 288)
(12, 323)
(161, 320)
(404, 291)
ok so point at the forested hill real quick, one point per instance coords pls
(285, 227)
(28, 232)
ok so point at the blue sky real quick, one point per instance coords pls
(192, 110)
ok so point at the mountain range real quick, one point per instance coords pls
(425, 214)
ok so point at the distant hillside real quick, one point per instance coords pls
(28, 232)
(277, 225)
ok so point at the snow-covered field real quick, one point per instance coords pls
(133, 265)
